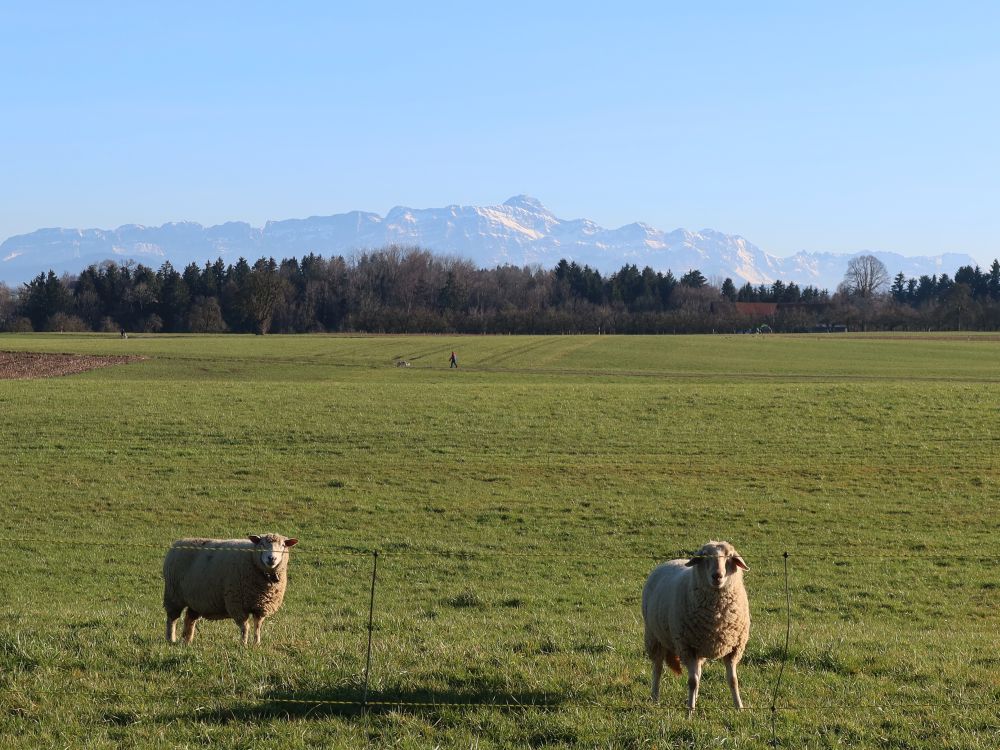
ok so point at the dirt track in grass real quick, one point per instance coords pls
(29, 365)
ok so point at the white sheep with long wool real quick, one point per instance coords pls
(696, 609)
(219, 578)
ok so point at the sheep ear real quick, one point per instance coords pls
(693, 561)
(739, 562)
(291, 542)
(254, 538)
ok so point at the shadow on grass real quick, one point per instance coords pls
(348, 702)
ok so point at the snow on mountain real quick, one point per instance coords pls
(520, 231)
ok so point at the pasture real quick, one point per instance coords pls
(517, 504)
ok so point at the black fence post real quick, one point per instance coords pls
(784, 656)
(371, 618)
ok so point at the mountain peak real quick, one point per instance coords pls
(527, 203)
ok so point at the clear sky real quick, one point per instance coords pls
(839, 126)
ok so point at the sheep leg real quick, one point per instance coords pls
(657, 672)
(244, 623)
(172, 617)
(655, 653)
(190, 620)
(693, 664)
(734, 684)
(258, 623)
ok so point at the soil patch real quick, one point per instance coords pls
(27, 365)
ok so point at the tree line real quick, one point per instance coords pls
(411, 290)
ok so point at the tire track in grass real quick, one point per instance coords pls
(561, 353)
(442, 352)
(515, 351)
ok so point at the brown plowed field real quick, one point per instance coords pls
(26, 365)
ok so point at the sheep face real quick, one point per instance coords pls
(270, 550)
(717, 564)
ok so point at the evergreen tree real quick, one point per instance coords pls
(926, 289)
(666, 284)
(44, 297)
(993, 281)
(898, 288)
(694, 279)
(627, 284)
(174, 298)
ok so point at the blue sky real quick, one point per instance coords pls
(801, 126)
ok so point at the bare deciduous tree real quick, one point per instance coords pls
(8, 306)
(866, 276)
(263, 290)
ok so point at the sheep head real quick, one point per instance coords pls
(717, 565)
(270, 552)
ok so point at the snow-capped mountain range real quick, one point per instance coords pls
(521, 231)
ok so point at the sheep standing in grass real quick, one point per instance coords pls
(694, 610)
(220, 578)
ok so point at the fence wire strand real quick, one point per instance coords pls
(638, 704)
(395, 550)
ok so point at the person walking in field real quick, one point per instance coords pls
(453, 360)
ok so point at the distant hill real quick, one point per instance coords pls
(521, 231)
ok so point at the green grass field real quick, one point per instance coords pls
(517, 504)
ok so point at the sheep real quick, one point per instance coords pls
(220, 578)
(697, 609)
